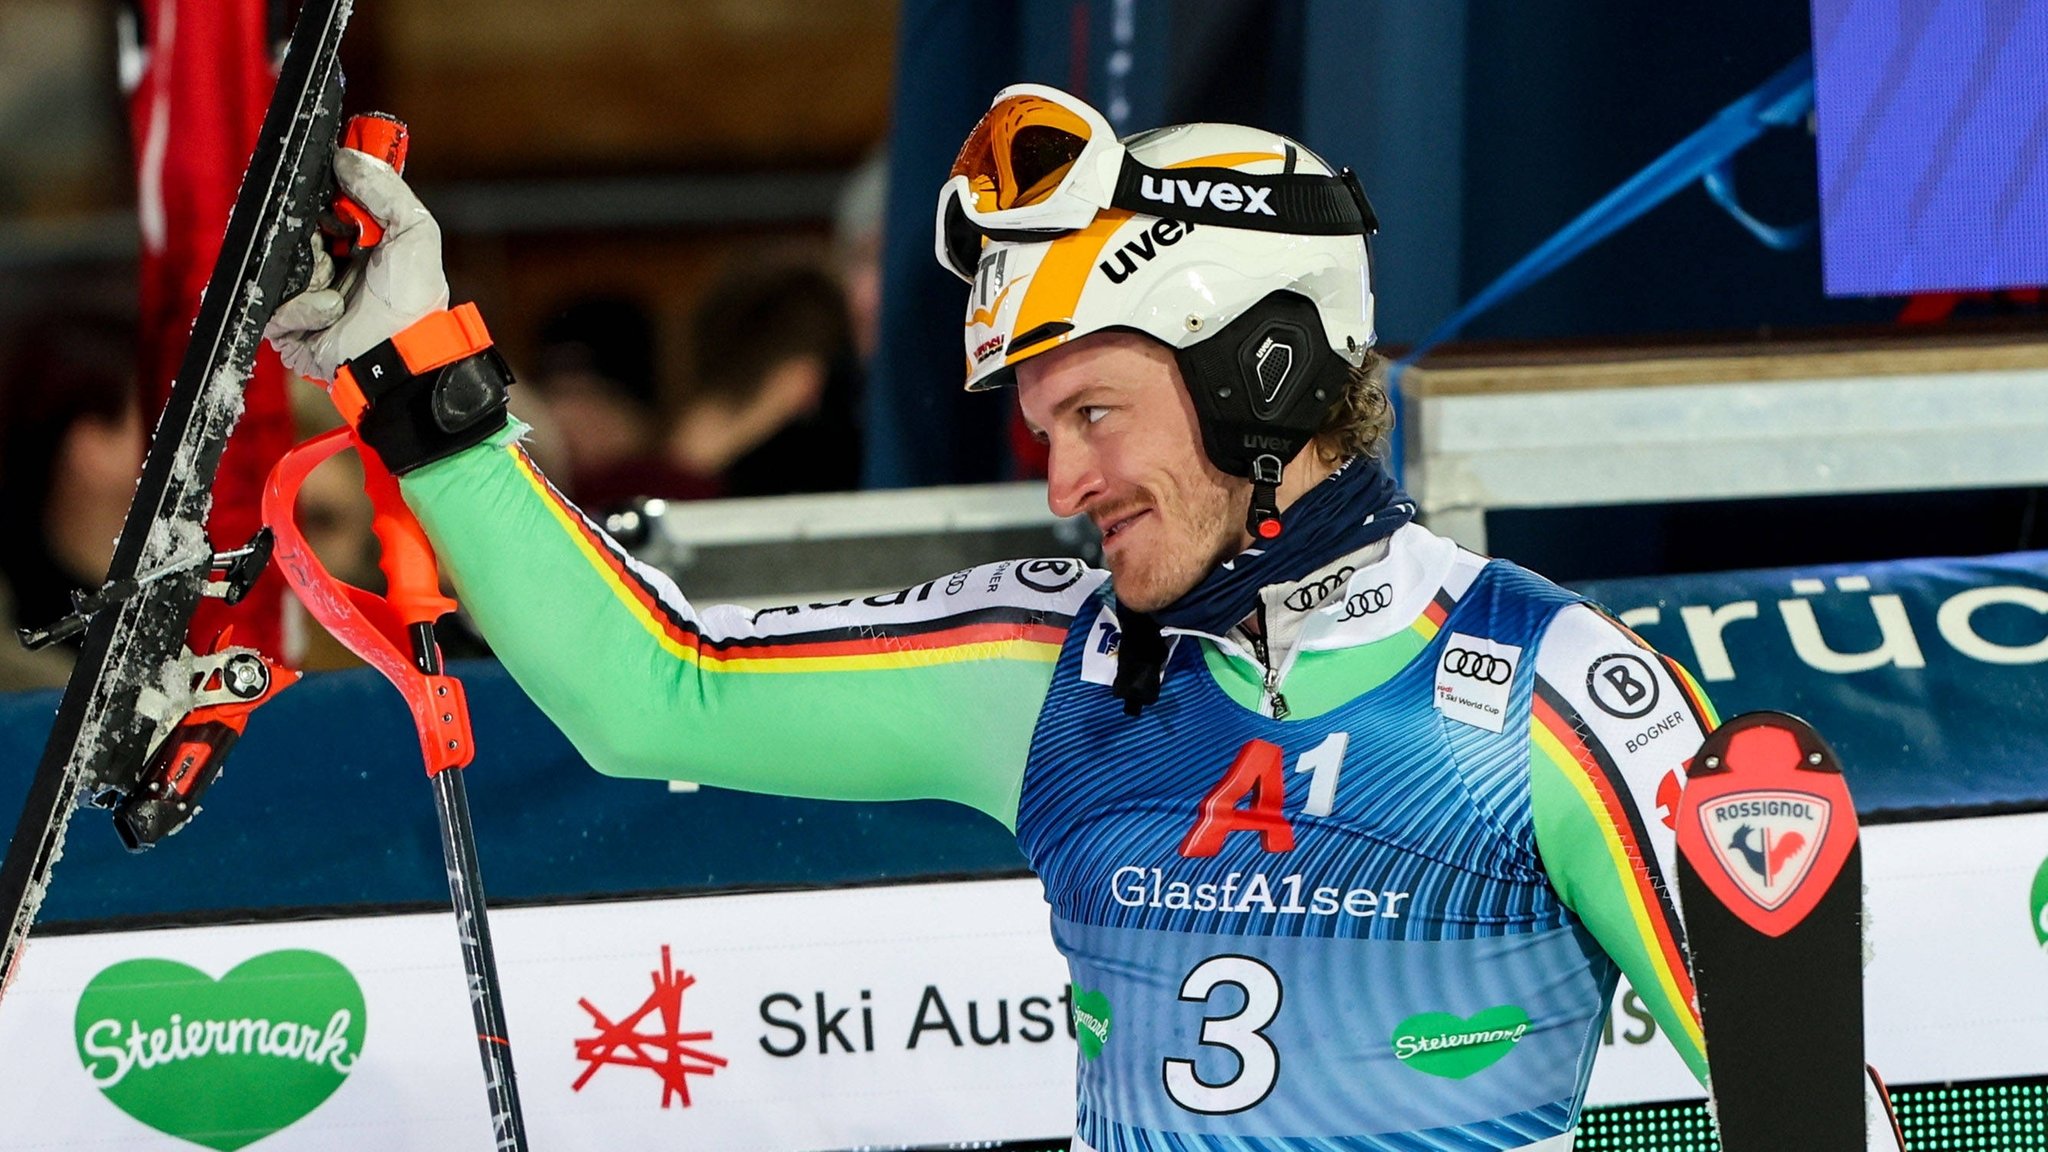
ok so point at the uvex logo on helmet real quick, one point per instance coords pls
(1134, 253)
(1222, 195)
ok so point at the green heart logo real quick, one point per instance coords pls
(1091, 1020)
(2041, 904)
(222, 1063)
(1455, 1047)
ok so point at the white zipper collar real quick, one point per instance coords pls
(1358, 598)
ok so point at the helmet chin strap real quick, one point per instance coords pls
(1262, 518)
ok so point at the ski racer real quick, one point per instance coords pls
(1347, 831)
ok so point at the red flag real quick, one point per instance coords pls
(200, 75)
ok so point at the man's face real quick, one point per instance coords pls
(1126, 452)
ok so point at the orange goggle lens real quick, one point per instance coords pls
(1021, 152)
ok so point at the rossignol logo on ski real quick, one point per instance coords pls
(1222, 195)
(1765, 840)
(221, 1063)
(1765, 820)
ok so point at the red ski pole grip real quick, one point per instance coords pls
(385, 137)
(373, 627)
(412, 580)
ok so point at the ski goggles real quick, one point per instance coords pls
(1042, 163)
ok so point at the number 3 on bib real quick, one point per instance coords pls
(1242, 1034)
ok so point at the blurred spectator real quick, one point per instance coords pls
(70, 450)
(774, 394)
(596, 376)
(857, 250)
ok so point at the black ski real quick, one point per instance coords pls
(1771, 875)
(133, 680)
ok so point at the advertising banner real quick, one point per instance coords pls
(883, 1017)
(1929, 677)
(891, 1016)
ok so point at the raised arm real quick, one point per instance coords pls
(930, 691)
(1614, 726)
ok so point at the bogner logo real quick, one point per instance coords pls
(1222, 195)
(1162, 234)
(1766, 839)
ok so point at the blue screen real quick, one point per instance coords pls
(1933, 125)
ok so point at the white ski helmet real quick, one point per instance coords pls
(1236, 247)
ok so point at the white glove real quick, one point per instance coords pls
(394, 285)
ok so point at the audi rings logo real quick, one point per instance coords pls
(1481, 666)
(1316, 591)
(1367, 601)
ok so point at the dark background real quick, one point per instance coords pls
(651, 128)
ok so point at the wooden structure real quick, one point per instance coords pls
(1555, 429)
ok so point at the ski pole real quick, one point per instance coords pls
(413, 589)
(394, 633)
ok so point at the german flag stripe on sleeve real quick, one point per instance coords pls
(1560, 732)
(983, 634)
(1695, 697)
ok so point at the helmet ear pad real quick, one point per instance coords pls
(1264, 383)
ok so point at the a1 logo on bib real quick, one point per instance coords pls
(1765, 819)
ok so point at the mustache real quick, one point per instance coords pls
(1108, 514)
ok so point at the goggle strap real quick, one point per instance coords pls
(1365, 212)
(1299, 202)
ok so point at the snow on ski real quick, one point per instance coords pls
(133, 680)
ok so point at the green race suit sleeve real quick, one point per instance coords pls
(1613, 727)
(928, 692)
